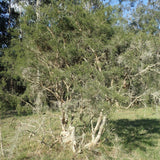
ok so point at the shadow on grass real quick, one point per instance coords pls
(135, 134)
(8, 114)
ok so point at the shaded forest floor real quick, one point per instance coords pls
(129, 135)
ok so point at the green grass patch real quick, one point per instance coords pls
(129, 134)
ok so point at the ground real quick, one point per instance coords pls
(132, 134)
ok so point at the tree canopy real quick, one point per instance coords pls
(82, 52)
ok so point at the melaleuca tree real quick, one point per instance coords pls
(62, 55)
(73, 54)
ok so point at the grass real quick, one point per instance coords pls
(130, 135)
(138, 133)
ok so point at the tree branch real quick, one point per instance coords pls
(146, 69)
(133, 101)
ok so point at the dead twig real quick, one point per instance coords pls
(1, 143)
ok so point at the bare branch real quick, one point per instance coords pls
(100, 130)
(50, 32)
(133, 101)
(2, 153)
(99, 127)
(54, 93)
(146, 69)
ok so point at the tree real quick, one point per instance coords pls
(83, 58)
(61, 43)
(10, 85)
(70, 48)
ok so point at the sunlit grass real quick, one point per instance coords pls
(129, 135)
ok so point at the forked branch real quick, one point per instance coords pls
(98, 128)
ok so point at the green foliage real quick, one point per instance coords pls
(59, 53)
(25, 110)
(84, 50)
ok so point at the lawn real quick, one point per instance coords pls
(132, 134)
